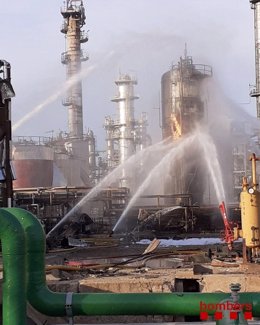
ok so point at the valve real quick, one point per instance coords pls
(235, 288)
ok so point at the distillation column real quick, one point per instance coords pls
(255, 5)
(74, 20)
(126, 123)
(182, 109)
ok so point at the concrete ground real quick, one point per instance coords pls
(123, 268)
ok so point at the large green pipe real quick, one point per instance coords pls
(53, 304)
(14, 286)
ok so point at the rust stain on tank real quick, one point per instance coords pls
(33, 173)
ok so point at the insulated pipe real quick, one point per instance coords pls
(58, 304)
(255, 5)
(253, 158)
(14, 286)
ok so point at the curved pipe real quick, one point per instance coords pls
(14, 286)
(54, 304)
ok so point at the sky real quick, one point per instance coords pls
(140, 37)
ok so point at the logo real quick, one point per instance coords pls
(232, 309)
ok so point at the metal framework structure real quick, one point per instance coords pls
(6, 173)
(182, 106)
(74, 20)
(182, 109)
(125, 135)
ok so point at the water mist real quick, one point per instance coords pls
(61, 90)
(163, 167)
(212, 163)
(131, 165)
(204, 145)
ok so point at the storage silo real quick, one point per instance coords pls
(33, 162)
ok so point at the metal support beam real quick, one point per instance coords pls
(6, 174)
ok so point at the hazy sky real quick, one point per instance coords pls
(141, 37)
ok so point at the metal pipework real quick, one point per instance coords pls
(255, 5)
(254, 159)
(55, 304)
(109, 126)
(235, 307)
(92, 155)
(14, 281)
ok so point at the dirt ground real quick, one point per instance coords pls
(119, 268)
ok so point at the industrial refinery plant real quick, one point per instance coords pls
(74, 219)
(63, 178)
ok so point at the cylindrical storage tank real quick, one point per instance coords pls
(250, 208)
(74, 164)
(70, 169)
(182, 105)
(250, 218)
(33, 165)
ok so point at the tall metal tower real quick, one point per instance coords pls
(125, 99)
(255, 5)
(125, 135)
(74, 19)
(182, 109)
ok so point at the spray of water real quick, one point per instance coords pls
(211, 158)
(70, 82)
(59, 92)
(129, 165)
(209, 152)
(166, 154)
(164, 165)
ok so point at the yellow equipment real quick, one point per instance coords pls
(250, 212)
